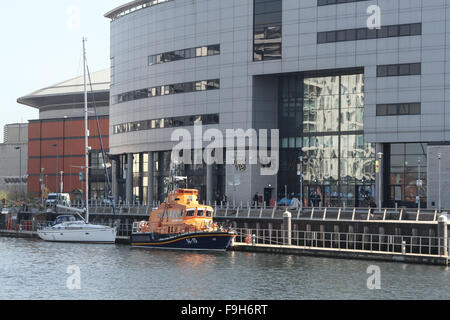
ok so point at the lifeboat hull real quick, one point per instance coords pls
(205, 241)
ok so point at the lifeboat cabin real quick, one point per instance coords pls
(180, 214)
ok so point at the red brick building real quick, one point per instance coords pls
(56, 140)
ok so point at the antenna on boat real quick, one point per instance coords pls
(180, 179)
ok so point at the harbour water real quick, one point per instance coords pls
(36, 270)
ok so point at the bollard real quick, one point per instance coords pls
(253, 239)
(287, 219)
(443, 234)
(403, 247)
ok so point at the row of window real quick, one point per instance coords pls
(174, 122)
(200, 213)
(165, 90)
(330, 2)
(399, 109)
(184, 54)
(403, 30)
(395, 70)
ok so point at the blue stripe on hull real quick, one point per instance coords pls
(199, 241)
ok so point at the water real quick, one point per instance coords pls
(32, 269)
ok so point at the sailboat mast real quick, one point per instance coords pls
(86, 132)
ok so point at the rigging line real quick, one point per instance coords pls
(101, 140)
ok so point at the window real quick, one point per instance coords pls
(381, 110)
(382, 71)
(393, 31)
(331, 2)
(405, 30)
(165, 90)
(392, 71)
(395, 70)
(190, 213)
(398, 109)
(183, 54)
(365, 33)
(392, 109)
(165, 123)
(267, 30)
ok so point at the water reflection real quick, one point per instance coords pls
(37, 270)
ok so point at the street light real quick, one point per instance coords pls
(57, 165)
(300, 173)
(20, 170)
(378, 170)
(439, 182)
(42, 185)
(419, 184)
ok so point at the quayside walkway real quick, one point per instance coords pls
(393, 234)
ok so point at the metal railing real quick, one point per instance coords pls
(334, 214)
(256, 210)
(374, 243)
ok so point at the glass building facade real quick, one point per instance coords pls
(322, 136)
(162, 168)
(406, 165)
(98, 184)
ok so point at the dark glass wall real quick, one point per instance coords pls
(98, 186)
(322, 129)
(406, 165)
(267, 29)
(162, 169)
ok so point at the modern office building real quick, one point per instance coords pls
(363, 111)
(56, 141)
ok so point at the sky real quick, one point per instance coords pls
(42, 45)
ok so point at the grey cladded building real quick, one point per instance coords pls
(360, 109)
(14, 160)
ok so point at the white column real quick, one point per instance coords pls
(150, 190)
(209, 185)
(115, 183)
(129, 181)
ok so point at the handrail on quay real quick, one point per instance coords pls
(334, 214)
(384, 243)
(262, 211)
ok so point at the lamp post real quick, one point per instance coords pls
(439, 181)
(363, 191)
(42, 185)
(379, 171)
(20, 171)
(62, 182)
(300, 173)
(419, 184)
(57, 165)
